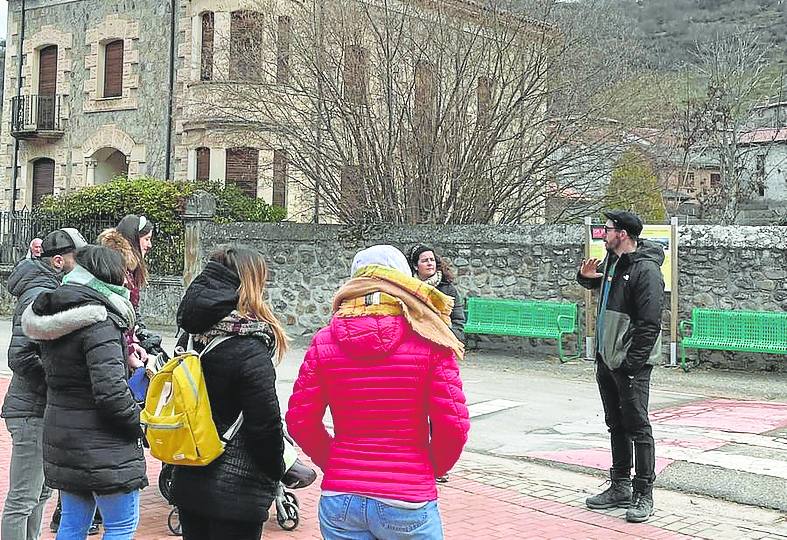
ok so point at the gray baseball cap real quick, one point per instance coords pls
(62, 241)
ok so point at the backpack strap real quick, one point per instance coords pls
(235, 427)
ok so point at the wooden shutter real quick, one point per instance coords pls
(483, 97)
(280, 178)
(203, 163)
(43, 179)
(241, 169)
(47, 70)
(47, 87)
(206, 55)
(424, 99)
(350, 188)
(113, 69)
(283, 51)
(247, 34)
(355, 74)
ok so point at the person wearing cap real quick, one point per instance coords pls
(628, 345)
(386, 365)
(429, 267)
(25, 400)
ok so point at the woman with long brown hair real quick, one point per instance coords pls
(229, 499)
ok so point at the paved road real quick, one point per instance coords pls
(722, 434)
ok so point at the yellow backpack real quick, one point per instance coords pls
(177, 417)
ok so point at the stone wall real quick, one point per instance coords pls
(724, 267)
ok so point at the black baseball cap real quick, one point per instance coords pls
(62, 241)
(626, 221)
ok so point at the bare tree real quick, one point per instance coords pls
(734, 76)
(419, 111)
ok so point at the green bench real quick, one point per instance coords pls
(526, 318)
(734, 330)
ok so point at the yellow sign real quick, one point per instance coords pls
(659, 234)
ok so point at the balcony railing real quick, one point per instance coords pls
(37, 116)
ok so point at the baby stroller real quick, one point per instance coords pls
(297, 476)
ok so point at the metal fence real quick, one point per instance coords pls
(17, 229)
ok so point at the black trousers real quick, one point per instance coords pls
(625, 401)
(198, 527)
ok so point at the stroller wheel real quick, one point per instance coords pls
(165, 482)
(291, 498)
(173, 522)
(290, 519)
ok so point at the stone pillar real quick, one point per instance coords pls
(200, 209)
(90, 172)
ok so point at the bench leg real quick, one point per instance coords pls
(683, 358)
(561, 354)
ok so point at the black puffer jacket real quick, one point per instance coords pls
(458, 313)
(92, 435)
(632, 322)
(239, 376)
(26, 396)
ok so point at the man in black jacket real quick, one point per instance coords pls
(23, 407)
(628, 345)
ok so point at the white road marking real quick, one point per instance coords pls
(493, 405)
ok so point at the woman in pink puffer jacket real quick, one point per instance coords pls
(386, 365)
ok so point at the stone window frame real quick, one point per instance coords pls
(46, 36)
(28, 155)
(112, 28)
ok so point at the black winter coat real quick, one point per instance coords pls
(26, 396)
(239, 376)
(632, 321)
(92, 434)
(458, 313)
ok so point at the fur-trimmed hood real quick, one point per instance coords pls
(112, 239)
(57, 325)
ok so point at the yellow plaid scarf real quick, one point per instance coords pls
(379, 290)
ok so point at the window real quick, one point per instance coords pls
(280, 178)
(283, 37)
(246, 38)
(355, 58)
(423, 108)
(483, 97)
(113, 69)
(47, 87)
(206, 53)
(203, 163)
(690, 179)
(350, 187)
(241, 169)
(715, 180)
(43, 179)
(760, 166)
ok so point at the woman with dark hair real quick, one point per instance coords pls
(92, 436)
(229, 499)
(133, 238)
(432, 269)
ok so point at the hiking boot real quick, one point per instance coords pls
(618, 494)
(641, 503)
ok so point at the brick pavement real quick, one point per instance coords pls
(490, 498)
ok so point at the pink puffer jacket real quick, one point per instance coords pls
(384, 385)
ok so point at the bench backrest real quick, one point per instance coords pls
(740, 326)
(522, 313)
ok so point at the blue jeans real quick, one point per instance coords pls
(119, 510)
(27, 494)
(354, 517)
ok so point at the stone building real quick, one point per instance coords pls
(97, 89)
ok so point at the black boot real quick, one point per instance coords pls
(642, 502)
(618, 494)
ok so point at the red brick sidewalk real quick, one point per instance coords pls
(470, 509)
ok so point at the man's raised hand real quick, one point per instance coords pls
(589, 269)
